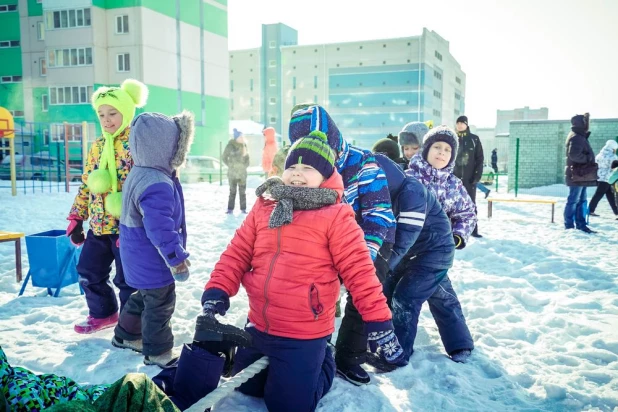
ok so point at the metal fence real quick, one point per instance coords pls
(49, 157)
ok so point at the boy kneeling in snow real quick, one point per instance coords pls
(425, 244)
(288, 254)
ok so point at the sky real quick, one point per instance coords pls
(559, 54)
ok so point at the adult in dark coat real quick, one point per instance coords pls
(469, 161)
(579, 172)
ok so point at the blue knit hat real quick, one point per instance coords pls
(312, 118)
(237, 133)
(314, 151)
(441, 134)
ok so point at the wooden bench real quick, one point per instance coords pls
(14, 237)
(490, 202)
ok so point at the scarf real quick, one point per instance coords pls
(290, 198)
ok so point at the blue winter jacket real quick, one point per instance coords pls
(423, 229)
(153, 234)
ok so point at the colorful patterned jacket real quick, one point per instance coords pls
(449, 191)
(90, 206)
(24, 391)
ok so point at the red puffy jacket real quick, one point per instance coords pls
(291, 272)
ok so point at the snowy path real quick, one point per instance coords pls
(541, 303)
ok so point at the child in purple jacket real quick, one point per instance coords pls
(433, 166)
(153, 234)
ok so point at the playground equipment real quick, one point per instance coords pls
(53, 261)
(7, 131)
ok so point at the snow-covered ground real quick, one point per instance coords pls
(541, 303)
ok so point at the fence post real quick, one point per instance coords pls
(13, 168)
(67, 170)
(497, 178)
(516, 166)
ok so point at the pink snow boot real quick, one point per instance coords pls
(92, 325)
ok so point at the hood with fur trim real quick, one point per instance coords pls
(161, 142)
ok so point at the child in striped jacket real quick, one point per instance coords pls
(366, 190)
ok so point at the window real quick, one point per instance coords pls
(67, 19)
(231, 85)
(17, 113)
(456, 112)
(457, 96)
(123, 62)
(457, 80)
(272, 44)
(293, 101)
(232, 104)
(315, 82)
(69, 95)
(70, 57)
(272, 82)
(437, 94)
(9, 43)
(10, 79)
(272, 63)
(40, 30)
(251, 102)
(122, 24)
(294, 83)
(42, 67)
(273, 120)
(5, 8)
(438, 55)
(315, 99)
(44, 103)
(272, 100)
(437, 75)
(251, 84)
(437, 113)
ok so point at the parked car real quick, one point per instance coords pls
(488, 175)
(202, 169)
(38, 166)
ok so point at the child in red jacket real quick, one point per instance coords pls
(288, 254)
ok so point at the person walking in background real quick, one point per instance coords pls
(604, 159)
(469, 161)
(236, 158)
(494, 160)
(579, 173)
(269, 151)
(483, 189)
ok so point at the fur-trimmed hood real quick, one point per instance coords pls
(161, 142)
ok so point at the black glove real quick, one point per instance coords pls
(459, 242)
(76, 232)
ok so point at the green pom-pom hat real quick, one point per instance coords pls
(313, 150)
(125, 99)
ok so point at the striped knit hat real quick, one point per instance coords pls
(309, 119)
(314, 151)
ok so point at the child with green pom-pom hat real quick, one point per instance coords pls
(100, 199)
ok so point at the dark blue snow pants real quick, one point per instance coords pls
(415, 285)
(94, 267)
(299, 373)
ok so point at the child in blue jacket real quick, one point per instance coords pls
(422, 255)
(153, 234)
(366, 190)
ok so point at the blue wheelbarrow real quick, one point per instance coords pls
(53, 261)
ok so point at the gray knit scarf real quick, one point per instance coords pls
(290, 198)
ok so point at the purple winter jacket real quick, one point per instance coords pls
(153, 233)
(449, 191)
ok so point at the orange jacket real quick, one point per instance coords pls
(270, 148)
(291, 273)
